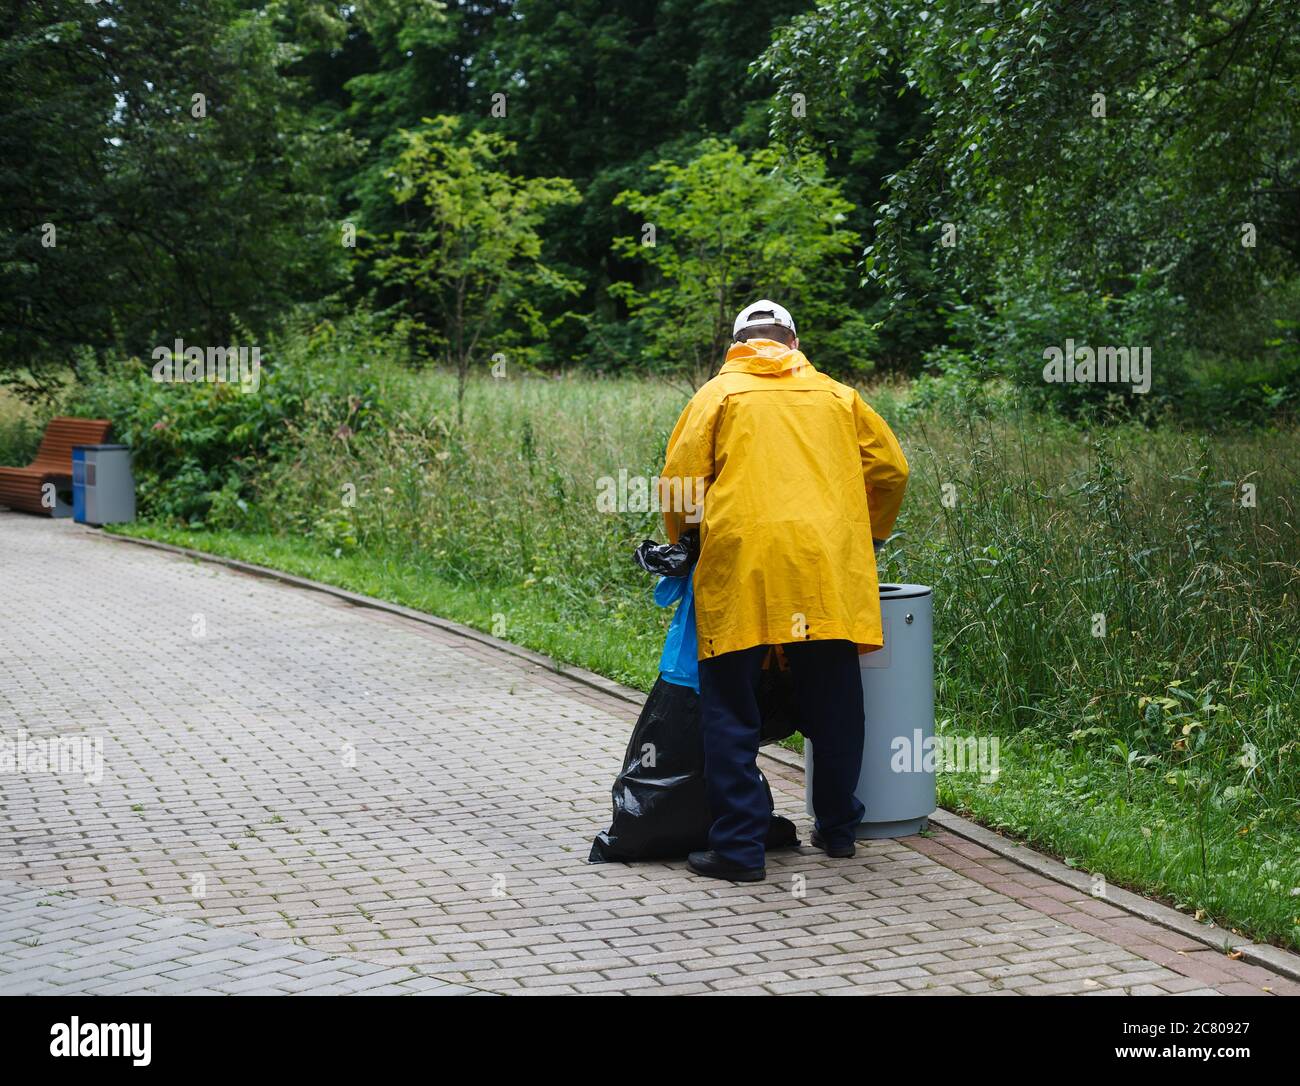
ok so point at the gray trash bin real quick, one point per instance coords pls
(898, 697)
(103, 488)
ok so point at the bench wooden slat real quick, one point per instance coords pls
(20, 488)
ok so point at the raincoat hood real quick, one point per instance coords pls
(765, 356)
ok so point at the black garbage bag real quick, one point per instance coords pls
(669, 559)
(661, 807)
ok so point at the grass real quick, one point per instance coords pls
(1107, 604)
(20, 429)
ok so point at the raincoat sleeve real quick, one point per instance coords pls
(884, 468)
(688, 466)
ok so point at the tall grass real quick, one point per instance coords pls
(20, 430)
(506, 502)
(1112, 605)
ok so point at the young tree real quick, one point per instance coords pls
(727, 228)
(469, 264)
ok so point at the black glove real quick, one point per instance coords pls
(669, 559)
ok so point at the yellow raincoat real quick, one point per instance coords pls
(798, 475)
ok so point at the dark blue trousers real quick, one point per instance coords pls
(829, 688)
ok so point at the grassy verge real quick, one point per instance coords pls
(20, 429)
(1191, 852)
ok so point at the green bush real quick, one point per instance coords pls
(1209, 389)
(995, 360)
(20, 434)
(957, 383)
(196, 448)
(1026, 319)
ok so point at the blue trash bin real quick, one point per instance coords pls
(103, 488)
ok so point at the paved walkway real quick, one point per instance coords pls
(61, 943)
(303, 795)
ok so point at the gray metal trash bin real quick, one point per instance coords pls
(103, 488)
(898, 698)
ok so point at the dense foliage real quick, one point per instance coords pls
(1005, 177)
(1114, 172)
(467, 259)
(198, 449)
(159, 177)
(736, 228)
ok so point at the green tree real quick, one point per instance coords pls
(468, 262)
(159, 178)
(601, 89)
(384, 66)
(1076, 148)
(730, 227)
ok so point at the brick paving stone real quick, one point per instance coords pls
(367, 804)
(170, 958)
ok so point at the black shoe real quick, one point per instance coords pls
(714, 866)
(839, 852)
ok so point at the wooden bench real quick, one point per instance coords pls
(23, 488)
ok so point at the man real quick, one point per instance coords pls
(799, 476)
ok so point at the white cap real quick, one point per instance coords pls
(763, 312)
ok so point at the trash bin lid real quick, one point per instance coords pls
(903, 591)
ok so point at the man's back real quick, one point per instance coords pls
(799, 474)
